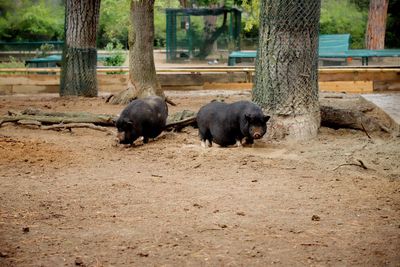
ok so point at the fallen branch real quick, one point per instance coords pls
(59, 117)
(68, 120)
(69, 126)
(180, 120)
(365, 131)
(169, 101)
(362, 165)
(179, 125)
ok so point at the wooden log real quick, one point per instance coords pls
(348, 118)
(48, 118)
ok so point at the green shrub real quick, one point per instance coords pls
(342, 16)
(116, 55)
(12, 63)
(32, 21)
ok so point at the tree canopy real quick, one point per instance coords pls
(40, 20)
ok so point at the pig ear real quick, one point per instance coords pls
(128, 123)
(248, 117)
(266, 118)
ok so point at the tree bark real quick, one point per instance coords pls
(142, 71)
(286, 82)
(79, 59)
(337, 118)
(376, 27)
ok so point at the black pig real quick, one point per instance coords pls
(142, 117)
(227, 124)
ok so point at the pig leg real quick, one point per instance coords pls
(205, 137)
(239, 143)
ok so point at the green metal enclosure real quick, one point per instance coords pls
(185, 31)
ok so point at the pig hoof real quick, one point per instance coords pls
(203, 144)
(208, 143)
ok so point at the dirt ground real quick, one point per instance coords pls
(77, 198)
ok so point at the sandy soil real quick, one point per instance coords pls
(77, 198)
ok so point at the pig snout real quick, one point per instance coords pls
(256, 135)
(121, 136)
(257, 132)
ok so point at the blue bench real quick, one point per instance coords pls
(330, 46)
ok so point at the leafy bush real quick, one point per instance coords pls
(32, 21)
(113, 22)
(116, 55)
(337, 16)
(342, 16)
(12, 63)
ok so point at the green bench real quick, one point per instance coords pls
(337, 46)
(330, 46)
(52, 61)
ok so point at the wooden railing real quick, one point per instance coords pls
(358, 80)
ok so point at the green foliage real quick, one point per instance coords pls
(12, 63)
(342, 16)
(113, 22)
(337, 16)
(116, 54)
(45, 49)
(392, 39)
(251, 15)
(32, 21)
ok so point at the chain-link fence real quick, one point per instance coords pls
(190, 35)
(287, 63)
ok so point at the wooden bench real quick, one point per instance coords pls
(330, 46)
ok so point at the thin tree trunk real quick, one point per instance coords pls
(142, 72)
(286, 82)
(79, 59)
(211, 34)
(376, 27)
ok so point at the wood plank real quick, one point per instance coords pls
(346, 86)
(332, 80)
(30, 79)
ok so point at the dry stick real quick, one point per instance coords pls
(77, 125)
(169, 101)
(181, 124)
(365, 131)
(362, 165)
(109, 98)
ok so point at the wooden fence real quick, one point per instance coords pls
(351, 80)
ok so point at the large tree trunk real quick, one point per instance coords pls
(142, 72)
(376, 27)
(79, 59)
(286, 82)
